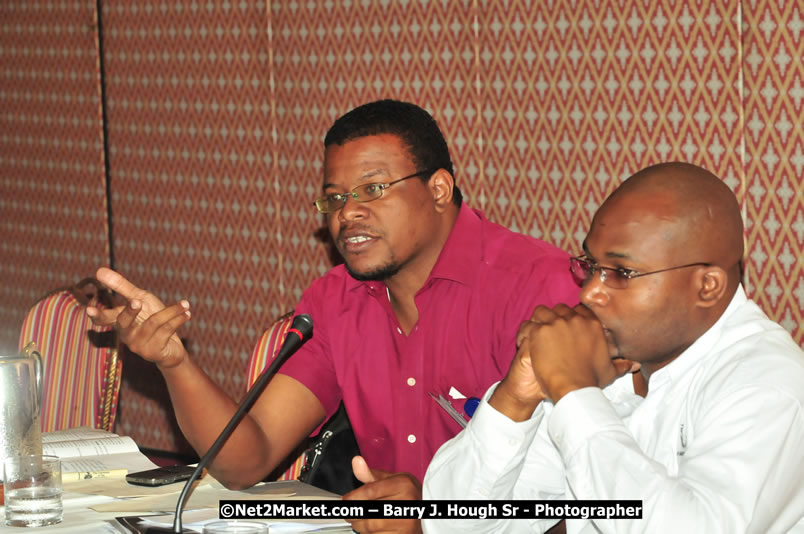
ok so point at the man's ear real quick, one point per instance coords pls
(441, 184)
(713, 281)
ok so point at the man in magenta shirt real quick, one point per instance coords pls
(429, 300)
(486, 280)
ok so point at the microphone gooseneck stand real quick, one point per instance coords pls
(299, 332)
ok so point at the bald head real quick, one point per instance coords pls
(679, 227)
(705, 214)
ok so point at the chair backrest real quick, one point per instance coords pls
(81, 365)
(269, 344)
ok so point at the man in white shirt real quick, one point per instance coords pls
(666, 384)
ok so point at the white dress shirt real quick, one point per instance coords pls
(716, 446)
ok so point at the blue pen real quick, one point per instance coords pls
(470, 406)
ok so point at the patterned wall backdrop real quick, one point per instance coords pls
(774, 144)
(52, 190)
(216, 112)
(576, 96)
(196, 212)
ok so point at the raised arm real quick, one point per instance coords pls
(282, 417)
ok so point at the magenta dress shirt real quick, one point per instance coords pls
(486, 281)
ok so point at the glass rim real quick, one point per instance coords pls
(28, 457)
(223, 523)
(235, 521)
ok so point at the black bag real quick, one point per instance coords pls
(329, 458)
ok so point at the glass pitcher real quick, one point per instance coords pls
(20, 404)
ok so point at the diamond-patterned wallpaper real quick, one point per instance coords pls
(53, 215)
(773, 73)
(216, 112)
(190, 112)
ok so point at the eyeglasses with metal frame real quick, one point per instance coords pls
(362, 193)
(583, 268)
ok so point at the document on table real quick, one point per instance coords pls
(195, 520)
(206, 494)
(91, 453)
(203, 505)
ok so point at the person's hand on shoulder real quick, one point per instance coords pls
(144, 323)
(382, 485)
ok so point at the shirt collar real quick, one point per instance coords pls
(460, 257)
(700, 348)
(462, 253)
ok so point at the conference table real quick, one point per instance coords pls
(114, 506)
(107, 503)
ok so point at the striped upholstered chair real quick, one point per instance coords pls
(81, 365)
(269, 344)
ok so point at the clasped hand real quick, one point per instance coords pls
(560, 350)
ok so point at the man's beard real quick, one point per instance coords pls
(377, 275)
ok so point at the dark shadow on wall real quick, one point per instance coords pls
(144, 378)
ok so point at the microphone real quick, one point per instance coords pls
(301, 329)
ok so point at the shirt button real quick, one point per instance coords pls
(411, 381)
(411, 438)
(398, 329)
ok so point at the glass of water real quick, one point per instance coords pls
(234, 526)
(32, 490)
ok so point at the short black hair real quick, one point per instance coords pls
(413, 125)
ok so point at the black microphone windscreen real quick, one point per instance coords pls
(303, 324)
